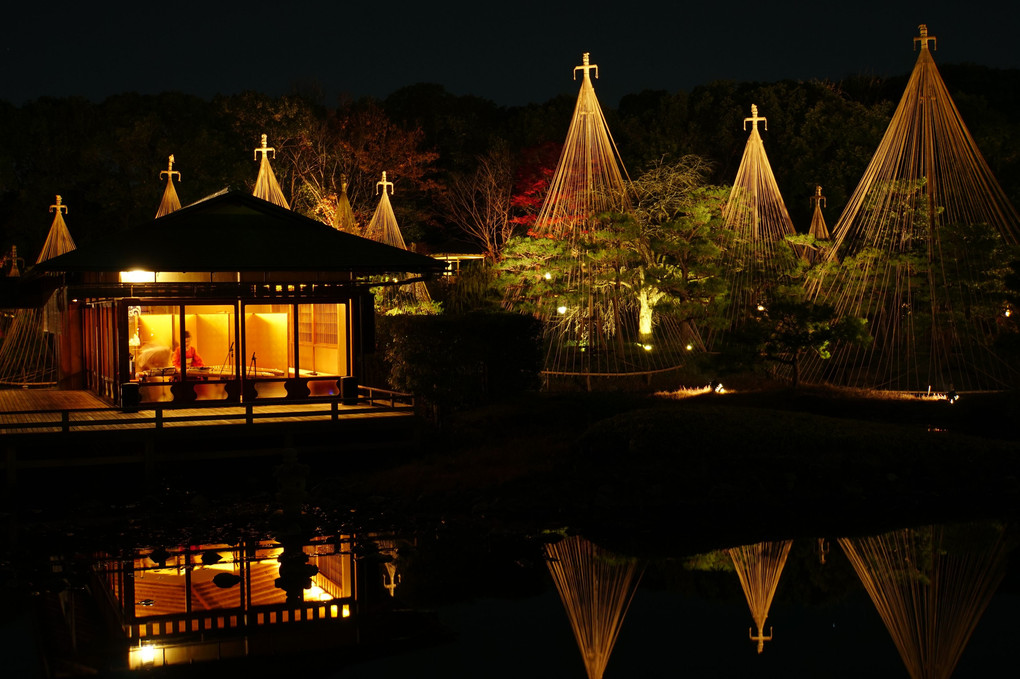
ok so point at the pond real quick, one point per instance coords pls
(445, 602)
(443, 560)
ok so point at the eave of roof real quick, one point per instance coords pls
(235, 231)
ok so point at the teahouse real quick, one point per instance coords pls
(273, 304)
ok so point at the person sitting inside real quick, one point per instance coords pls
(191, 357)
(152, 356)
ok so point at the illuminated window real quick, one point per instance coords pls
(305, 322)
(325, 323)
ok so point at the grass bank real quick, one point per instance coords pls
(681, 474)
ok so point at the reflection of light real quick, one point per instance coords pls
(137, 276)
(548, 276)
(316, 593)
(561, 309)
(343, 611)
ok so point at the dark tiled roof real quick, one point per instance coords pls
(235, 231)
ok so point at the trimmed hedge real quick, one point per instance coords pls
(456, 361)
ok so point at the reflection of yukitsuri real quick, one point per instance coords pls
(915, 246)
(390, 576)
(596, 588)
(759, 223)
(759, 567)
(930, 586)
(28, 353)
(169, 202)
(266, 186)
(383, 227)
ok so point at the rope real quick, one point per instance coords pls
(925, 213)
(596, 588)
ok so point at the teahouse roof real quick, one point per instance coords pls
(235, 231)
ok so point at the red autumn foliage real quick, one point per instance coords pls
(537, 165)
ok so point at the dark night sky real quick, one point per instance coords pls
(514, 53)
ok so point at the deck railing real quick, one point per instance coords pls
(225, 619)
(159, 415)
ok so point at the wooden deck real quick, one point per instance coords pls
(45, 430)
(55, 411)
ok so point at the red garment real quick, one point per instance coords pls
(189, 354)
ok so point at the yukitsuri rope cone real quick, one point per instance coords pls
(383, 227)
(592, 312)
(757, 223)
(596, 588)
(818, 230)
(759, 567)
(931, 586)
(266, 186)
(28, 354)
(343, 215)
(916, 253)
(169, 202)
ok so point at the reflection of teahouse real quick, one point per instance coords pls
(203, 602)
(278, 305)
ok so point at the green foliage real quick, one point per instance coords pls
(1007, 340)
(453, 362)
(715, 561)
(398, 301)
(789, 327)
(942, 274)
(415, 307)
(666, 253)
(473, 289)
(532, 268)
(682, 242)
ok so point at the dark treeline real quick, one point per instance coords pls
(105, 158)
